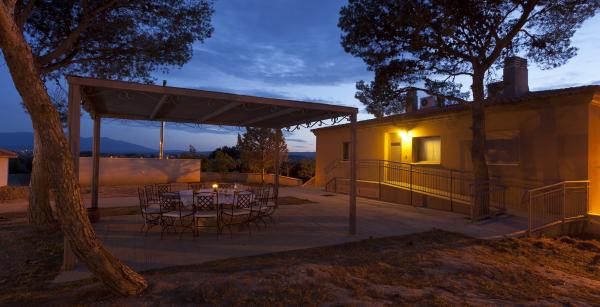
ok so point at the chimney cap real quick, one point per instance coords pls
(515, 60)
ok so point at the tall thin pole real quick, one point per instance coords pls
(162, 141)
(161, 152)
(96, 162)
(277, 165)
(352, 201)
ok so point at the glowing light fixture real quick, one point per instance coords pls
(405, 135)
(215, 186)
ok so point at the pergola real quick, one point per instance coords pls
(135, 101)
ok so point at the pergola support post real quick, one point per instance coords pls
(277, 165)
(73, 122)
(93, 212)
(352, 200)
(162, 141)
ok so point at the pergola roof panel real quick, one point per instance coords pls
(136, 101)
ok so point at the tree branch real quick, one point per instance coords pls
(502, 43)
(71, 41)
(22, 16)
(433, 93)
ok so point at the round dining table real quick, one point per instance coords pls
(224, 196)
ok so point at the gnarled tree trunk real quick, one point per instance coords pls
(478, 149)
(69, 207)
(39, 211)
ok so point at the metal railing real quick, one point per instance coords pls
(557, 204)
(453, 185)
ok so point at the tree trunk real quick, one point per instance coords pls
(39, 211)
(69, 207)
(478, 149)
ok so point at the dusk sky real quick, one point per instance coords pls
(283, 49)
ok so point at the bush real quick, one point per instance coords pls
(10, 193)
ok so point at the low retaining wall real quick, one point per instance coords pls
(249, 178)
(132, 171)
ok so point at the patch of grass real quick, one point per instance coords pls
(29, 260)
(118, 211)
(292, 201)
(434, 268)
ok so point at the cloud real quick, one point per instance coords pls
(296, 140)
(278, 42)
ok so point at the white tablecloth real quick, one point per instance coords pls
(225, 196)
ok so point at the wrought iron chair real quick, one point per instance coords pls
(226, 185)
(150, 213)
(154, 191)
(176, 215)
(206, 207)
(195, 186)
(239, 212)
(271, 206)
(259, 203)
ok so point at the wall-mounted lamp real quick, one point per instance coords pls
(405, 135)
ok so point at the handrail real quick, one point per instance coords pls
(557, 204)
(453, 185)
(558, 184)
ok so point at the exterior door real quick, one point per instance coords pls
(395, 148)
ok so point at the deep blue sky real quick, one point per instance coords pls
(281, 48)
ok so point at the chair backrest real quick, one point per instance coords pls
(205, 201)
(242, 199)
(261, 194)
(151, 196)
(162, 188)
(142, 199)
(196, 186)
(226, 186)
(170, 203)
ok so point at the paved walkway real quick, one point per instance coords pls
(324, 222)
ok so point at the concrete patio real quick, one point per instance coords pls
(323, 222)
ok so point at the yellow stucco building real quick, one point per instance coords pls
(533, 138)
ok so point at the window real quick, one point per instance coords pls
(346, 151)
(502, 150)
(428, 149)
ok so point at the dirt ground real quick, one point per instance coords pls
(432, 268)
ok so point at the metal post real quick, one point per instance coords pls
(410, 185)
(353, 148)
(277, 165)
(162, 141)
(379, 169)
(74, 117)
(161, 152)
(451, 203)
(564, 206)
(530, 215)
(95, 169)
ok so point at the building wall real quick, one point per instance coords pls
(131, 171)
(249, 178)
(552, 140)
(594, 156)
(3, 171)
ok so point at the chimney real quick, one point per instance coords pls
(515, 77)
(495, 89)
(411, 100)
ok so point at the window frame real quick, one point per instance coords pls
(416, 150)
(515, 138)
(345, 151)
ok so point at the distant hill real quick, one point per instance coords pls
(24, 140)
(299, 155)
